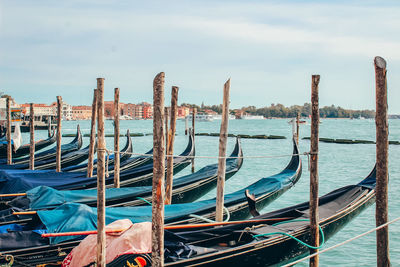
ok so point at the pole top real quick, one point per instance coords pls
(380, 62)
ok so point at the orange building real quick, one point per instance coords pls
(81, 113)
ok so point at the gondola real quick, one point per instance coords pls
(265, 240)
(19, 181)
(25, 149)
(31, 248)
(23, 163)
(125, 154)
(76, 157)
(187, 188)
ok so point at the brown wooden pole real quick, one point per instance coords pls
(186, 125)
(297, 127)
(101, 143)
(193, 132)
(158, 193)
(59, 117)
(314, 216)
(92, 135)
(223, 135)
(32, 138)
(170, 151)
(49, 126)
(382, 146)
(9, 145)
(116, 137)
(166, 128)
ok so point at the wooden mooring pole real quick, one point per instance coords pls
(186, 125)
(297, 127)
(170, 151)
(158, 193)
(59, 117)
(9, 145)
(219, 215)
(382, 145)
(101, 144)
(193, 132)
(314, 216)
(32, 137)
(89, 172)
(116, 138)
(166, 128)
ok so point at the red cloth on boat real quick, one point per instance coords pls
(135, 240)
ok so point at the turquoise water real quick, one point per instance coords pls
(339, 165)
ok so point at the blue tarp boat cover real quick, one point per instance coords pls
(44, 197)
(72, 217)
(18, 181)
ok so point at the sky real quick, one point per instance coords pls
(269, 49)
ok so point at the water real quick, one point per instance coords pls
(339, 165)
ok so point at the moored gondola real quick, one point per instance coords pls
(78, 217)
(266, 240)
(125, 154)
(50, 154)
(187, 188)
(25, 149)
(19, 181)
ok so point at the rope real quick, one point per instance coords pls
(343, 243)
(145, 200)
(228, 216)
(293, 237)
(108, 159)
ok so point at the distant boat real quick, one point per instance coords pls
(251, 117)
(360, 118)
(300, 121)
(201, 117)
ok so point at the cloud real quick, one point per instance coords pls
(268, 48)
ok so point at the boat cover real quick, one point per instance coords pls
(136, 239)
(72, 217)
(44, 197)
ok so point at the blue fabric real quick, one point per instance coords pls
(44, 197)
(18, 181)
(79, 217)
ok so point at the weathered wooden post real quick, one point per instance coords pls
(219, 216)
(49, 126)
(158, 193)
(170, 151)
(186, 125)
(9, 145)
(314, 216)
(89, 172)
(32, 138)
(193, 132)
(297, 127)
(382, 145)
(116, 137)
(101, 144)
(166, 128)
(59, 117)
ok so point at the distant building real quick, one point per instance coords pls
(66, 111)
(109, 109)
(183, 112)
(40, 110)
(147, 110)
(81, 113)
(129, 110)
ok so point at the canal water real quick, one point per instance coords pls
(339, 165)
